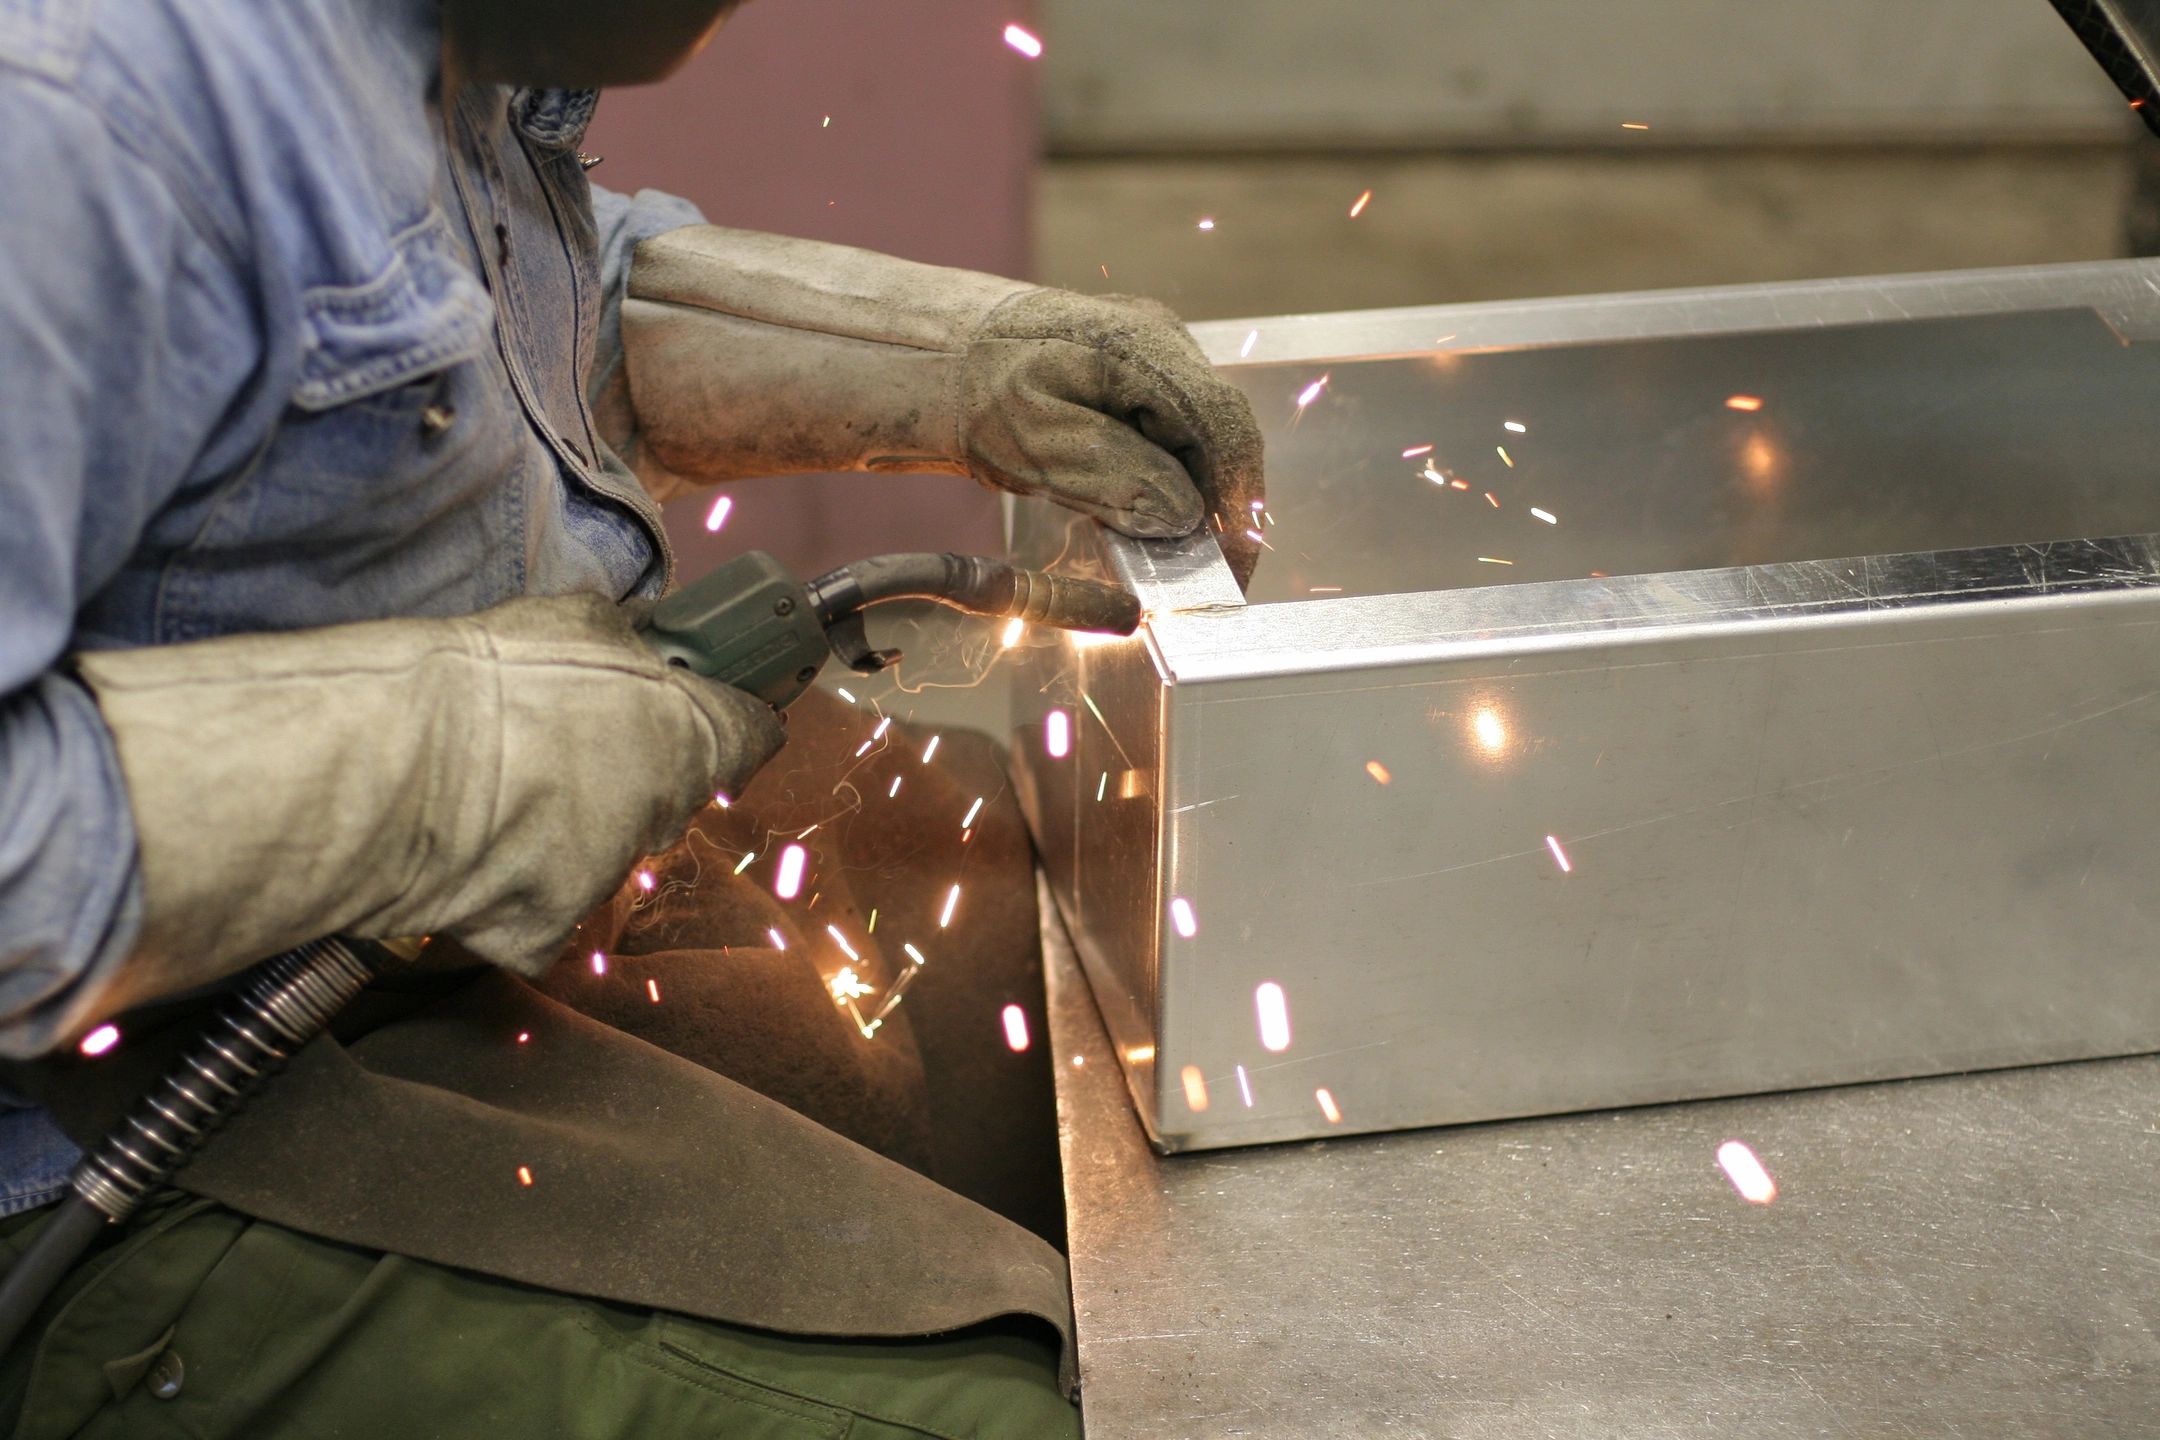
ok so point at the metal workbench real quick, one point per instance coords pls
(1970, 1256)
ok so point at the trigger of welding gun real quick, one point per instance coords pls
(752, 625)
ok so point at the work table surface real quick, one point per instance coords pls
(1970, 1256)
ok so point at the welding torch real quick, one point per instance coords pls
(749, 624)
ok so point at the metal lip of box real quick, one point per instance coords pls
(1563, 757)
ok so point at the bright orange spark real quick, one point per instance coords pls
(1358, 208)
(1378, 771)
(1748, 403)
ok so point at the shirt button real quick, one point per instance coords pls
(167, 1375)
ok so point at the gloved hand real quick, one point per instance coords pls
(491, 778)
(749, 354)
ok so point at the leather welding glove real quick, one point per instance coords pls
(491, 778)
(749, 354)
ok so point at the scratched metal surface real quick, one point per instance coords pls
(1975, 1256)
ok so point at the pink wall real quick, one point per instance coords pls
(929, 153)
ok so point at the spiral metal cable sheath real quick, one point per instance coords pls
(282, 1004)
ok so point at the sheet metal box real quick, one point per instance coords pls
(1749, 689)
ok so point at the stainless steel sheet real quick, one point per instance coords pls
(1737, 815)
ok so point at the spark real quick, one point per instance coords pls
(864, 748)
(914, 954)
(827, 123)
(1195, 1088)
(1181, 916)
(787, 883)
(1311, 392)
(524, 1037)
(744, 863)
(841, 940)
(872, 926)
(1447, 337)
(1378, 771)
(845, 693)
(1014, 629)
(952, 900)
(1493, 560)
(524, 1175)
(1140, 1054)
(1433, 475)
(1747, 403)
(1515, 425)
(777, 942)
(1244, 1087)
(1545, 515)
(1746, 1173)
(722, 801)
(1273, 1010)
(100, 1040)
(1024, 42)
(1416, 450)
(645, 880)
(1016, 1028)
(1460, 484)
(847, 985)
(1102, 785)
(652, 988)
(1078, 1061)
(1207, 223)
(973, 810)
(1491, 732)
(1552, 843)
(1633, 125)
(1505, 456)
(717, 516)
(1255, 535)
(931, 749)
(1250, 341)
(1327, 1106)
(1356, 210)
(1494, 499)
(889, 794)
(599, 963)
(882, 726)
(1323, 589)
(1057, 734)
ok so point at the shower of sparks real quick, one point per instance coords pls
(100, 1040)
(1416, 450)
(1545, 515)
(1492, 499)
(744, 863)
(931, 749)
(1356, 209)
(864, 748)
(968, 820)
(841, 940)
(1273, 1009)
(1460, 484)
(1327, 1106)
(1490, 731)
(844, 693)
(1057, 734)
(1195, 1088)
(1505, 456)
(652, 988)
(895, 790)
(847, 985)
(778, 943)
(1378, 771)
(1433, 475)
(787, 883)
(524, 1175)
(1311, 392)
(1633, 125)
(524, 1037)
(1746, 1173)
(1181, 916)
(1748, 403)
(1552, 843)
(717, 516)
(599, 963)
(952, 902)
(1023, 41)
(1515, 425)
(1016, 1028)
(645, 880)
(1251, 340)
(1244, 1087)
(1014, 629)
(1493, 560)
(1206, 223)
(1102, 785)
(914, 954)
(882, 726)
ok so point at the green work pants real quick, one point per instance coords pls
(197, 1321)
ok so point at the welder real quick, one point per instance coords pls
(337, 408)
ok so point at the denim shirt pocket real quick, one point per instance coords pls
(424, 312)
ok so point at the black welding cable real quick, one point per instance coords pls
(978, 586)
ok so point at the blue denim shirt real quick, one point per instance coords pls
(287, 339)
